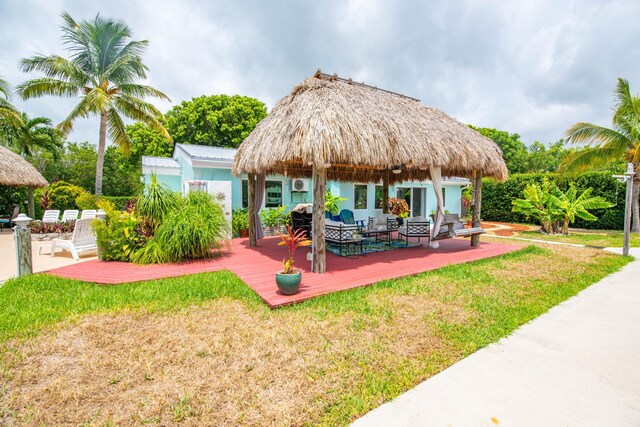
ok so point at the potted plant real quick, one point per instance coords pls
(240, 222)
(288, 280)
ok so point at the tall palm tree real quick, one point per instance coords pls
(622, 140)
(27, 134)
(103, 70)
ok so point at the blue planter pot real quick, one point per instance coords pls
(289, 284)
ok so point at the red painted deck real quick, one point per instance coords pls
(257, 266)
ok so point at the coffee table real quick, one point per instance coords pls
(377, 233)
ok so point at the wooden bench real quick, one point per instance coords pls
(451, 227)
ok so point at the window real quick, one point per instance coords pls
(360, 196)
(378, 204)
(245, 194)
(444, 197)
(273, 194)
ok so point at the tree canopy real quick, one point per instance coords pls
(216, 120)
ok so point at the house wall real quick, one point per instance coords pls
(343, 189)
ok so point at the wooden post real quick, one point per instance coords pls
(31, 209)
(477, 200)
(319, 263)
(251, 184)
(385, 192)
(22, 237)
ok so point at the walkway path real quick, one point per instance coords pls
(576, 365)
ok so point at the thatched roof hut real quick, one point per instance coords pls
(361, 131)
(17, 172)
(337, 129)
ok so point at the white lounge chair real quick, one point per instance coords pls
(70, 214)
(51, 216)
(83, 240)
(88, 213)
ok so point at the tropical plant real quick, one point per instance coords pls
(103, 69)
(398, 207)
(116, 236)
(194, 229)
(25, 135)
(8, 113)
(536, 205)
(570, 205)
(59, 195)
(274, 217)
(332, 203)
(292, 240)
(239, 221)
(86, 201)
(604, 145)
(154, 201)
(150, 253)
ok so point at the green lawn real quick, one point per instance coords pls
(332, 358)
(598, 238)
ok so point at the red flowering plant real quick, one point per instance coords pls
(292, 240)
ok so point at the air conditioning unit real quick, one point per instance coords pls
(299, 184)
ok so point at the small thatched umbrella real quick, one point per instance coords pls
(332, 128)
(17, 172)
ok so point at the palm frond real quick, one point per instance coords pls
(141, 91)
(589, 158)
(82, 110)
(5, 89)
(117, 130)
(588, 133)
(37, 88)
(141, 111)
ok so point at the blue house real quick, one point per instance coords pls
(204, 167)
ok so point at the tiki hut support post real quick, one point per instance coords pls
(385, 192)
(477, 200)
(251, 181)
(319, 261)
(31, 209)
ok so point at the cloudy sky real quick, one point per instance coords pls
(530, 67)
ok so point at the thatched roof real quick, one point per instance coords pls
(17, 172)
(362, 132)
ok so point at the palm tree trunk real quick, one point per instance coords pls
(635, 209)
(102, 142)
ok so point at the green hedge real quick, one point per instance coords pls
(10, 197)
(497, 197)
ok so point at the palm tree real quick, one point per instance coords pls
(8, 112)
(103, 70)
(26, 134)
(570, 205)
(622, 140)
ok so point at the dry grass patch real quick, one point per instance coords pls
(231, 361)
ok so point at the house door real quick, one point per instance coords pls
(418, 202)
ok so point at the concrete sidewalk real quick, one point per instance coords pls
(576, 365)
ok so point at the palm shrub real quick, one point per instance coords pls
(154, 201)
(570, 205)
(192, 230)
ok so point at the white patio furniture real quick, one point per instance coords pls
(83, 240)
(70, 214)
(51, 216)
(88, 213)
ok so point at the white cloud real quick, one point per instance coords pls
(531, 67)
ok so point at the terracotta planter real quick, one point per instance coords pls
(289, 284)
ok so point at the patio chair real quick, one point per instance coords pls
(88, 213)
(83, 240)
(343, 235)
(69, 215)
(414, 227)
(301, 221)
(51, 215)
(346, 216)
(9, 221)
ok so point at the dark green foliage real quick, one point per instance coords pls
(195, 227)
(217, 120)
(239, 221)
(497, 197)
(146, 141)
(120, 202)
(10, 197)
(62, 195)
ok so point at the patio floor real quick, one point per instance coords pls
(256, 266)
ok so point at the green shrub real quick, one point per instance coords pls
(86, 201)
(497, 197)
(121, 202)
(239, 221)
(191, 230)
(10, 197)
(150, 253)
(117, 236)
(60, 195)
